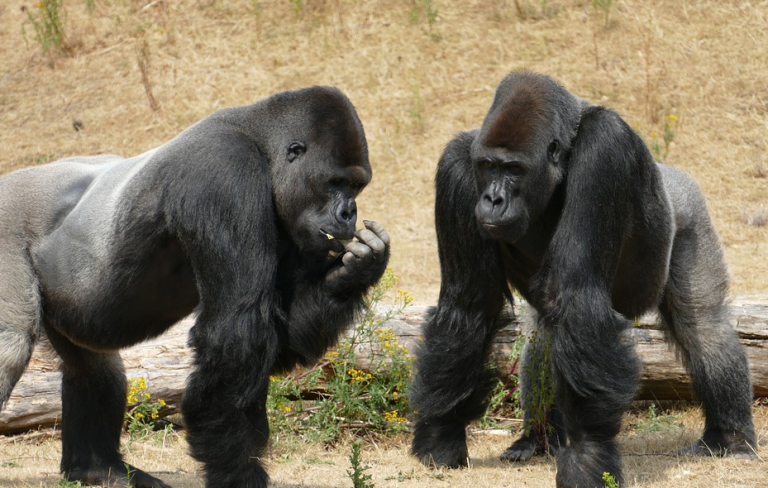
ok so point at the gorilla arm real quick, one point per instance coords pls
(224, 217)
(452, 383)
(596, 370)
(320, 309)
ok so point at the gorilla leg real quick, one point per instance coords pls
(93, 408)
(696, 315)
(19, 314)
(451, 387)
(535, 389)
(227, 437)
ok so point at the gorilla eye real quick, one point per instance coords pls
(514, 170)
(295, 150)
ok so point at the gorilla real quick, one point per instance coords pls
(247, 218)
(561, 200)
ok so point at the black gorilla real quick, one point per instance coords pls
(562, 201)
(240, 218)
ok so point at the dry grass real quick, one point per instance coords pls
(648, 461)
(136, 72)
(414, 84)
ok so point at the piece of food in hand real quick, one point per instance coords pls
(333, 254)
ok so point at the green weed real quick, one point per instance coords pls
(48, 18)
(659, 152)
(336, 395)
(143, 411)
(360, 479)
(610, 481)
(604, 8)
(657, 423)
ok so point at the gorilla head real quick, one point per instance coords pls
(518, 155)
(318, 169)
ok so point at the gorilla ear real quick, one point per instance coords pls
(296, 149)
(553, 150)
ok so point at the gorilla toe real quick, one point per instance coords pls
(520, 451)
(125, 476)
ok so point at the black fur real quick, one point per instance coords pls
(230, 219)
(562, 201)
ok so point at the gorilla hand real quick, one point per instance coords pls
(363, 262)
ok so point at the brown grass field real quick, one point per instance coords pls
(133, 73)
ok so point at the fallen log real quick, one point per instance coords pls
(166, 361)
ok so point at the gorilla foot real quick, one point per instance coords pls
(526, 447)
(521, 450)
(124, 476)
(738, 450)
(583, 465)
(440, 446)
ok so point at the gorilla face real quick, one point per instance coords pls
(320, 173)
(515, 187)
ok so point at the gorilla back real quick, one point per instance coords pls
(240, 218)
(562, 201)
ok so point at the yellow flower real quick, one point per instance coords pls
(161, 402)
(671, 118)
(653, 134)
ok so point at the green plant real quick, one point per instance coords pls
(657, 423)
(143, 412)
(48, 18)
(424, 10)
(506, 393)
(68, 484)
(416, 112)
(336, 394)
(604, 7)
(610, 481)
(670, 122)
(298, 6)
(360, 479)
(541, 396)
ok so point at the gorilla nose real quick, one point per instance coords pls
(346, 213)
(493, 204)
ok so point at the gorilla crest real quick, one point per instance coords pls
(560, 200)
(247, 218)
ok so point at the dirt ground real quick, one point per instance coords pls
(647, 446)
(133, 73)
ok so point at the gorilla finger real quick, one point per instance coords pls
(359, 249)
(371, 240)
(378, 229)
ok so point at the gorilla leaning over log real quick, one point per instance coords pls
(562, 201)
(241, 218)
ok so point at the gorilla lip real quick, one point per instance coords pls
(338, 246)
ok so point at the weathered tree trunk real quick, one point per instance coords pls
(166, 361)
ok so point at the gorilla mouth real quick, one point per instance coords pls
(336, 244)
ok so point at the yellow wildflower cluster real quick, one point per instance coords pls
(138, 395)
(393, 417)
(388, 280)
(359, 376)
(137, 391)
(671, 118)
(332, 355)
(404, 297)
(285, 408)
(388, 341)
